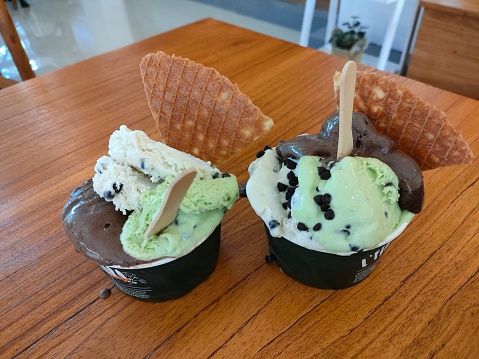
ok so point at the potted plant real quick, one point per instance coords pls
(350, 43)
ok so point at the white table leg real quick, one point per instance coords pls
(389, 37)
(307, 22)
(332, 20)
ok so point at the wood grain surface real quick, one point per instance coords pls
(446, 51)
(420, 302)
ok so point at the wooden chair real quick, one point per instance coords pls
(22, 2)
(12, 40)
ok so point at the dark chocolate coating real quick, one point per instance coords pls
(94, 227)
(367, 142)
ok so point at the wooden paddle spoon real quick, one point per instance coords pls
(173, 197)
(347, 84)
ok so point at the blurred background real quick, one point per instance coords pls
(57, 33)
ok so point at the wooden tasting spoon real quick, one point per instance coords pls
(347, 86)
(173, 197)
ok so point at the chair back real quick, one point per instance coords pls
(12, 41)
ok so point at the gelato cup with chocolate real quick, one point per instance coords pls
(94, 227)
(106, 218)
(328, 220)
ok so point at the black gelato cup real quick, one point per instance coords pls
(320, 269)
(160, 281)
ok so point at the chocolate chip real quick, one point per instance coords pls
(105, 293)
(327, 198)
(108, 195)
(289, 203)
(142, 164)
(346, 232)
(325, 175)
(325, 207)
(302, 227)
(290, 164)
(293, 180)
(290, 192)
(260, 154)
(118, 187)
(216, 175)
(329, 214)
(273, 224)
(267, 148)
(318, 199)
(107, 225)
(317, 227)
(386, 214)
(285, 205)
(354, 248)
(289, 214)
(224, 175)
(282, 187)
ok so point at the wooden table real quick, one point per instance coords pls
(421, 301)
(446, 53)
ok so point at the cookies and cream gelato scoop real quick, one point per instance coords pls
(137, 164)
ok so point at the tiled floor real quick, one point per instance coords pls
(57, 33)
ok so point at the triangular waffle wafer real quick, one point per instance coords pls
(197, 110)
(418, 128)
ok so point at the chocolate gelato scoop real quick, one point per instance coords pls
(94, 227)
(367, 143)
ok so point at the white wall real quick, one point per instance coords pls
(375, 14)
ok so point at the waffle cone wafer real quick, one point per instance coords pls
(418, 128)
(197, 110)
